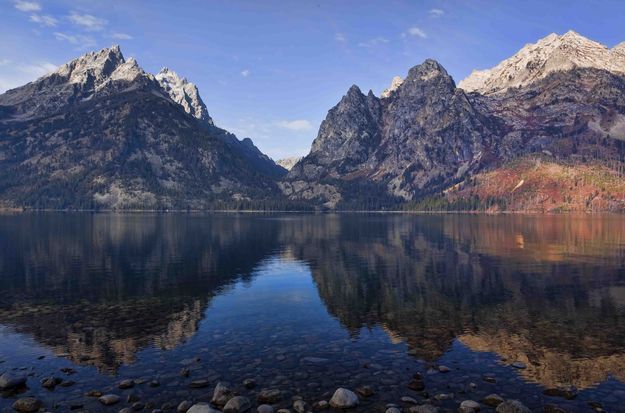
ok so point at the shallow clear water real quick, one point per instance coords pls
(308, 303)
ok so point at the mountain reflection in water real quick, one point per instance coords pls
(545, 290)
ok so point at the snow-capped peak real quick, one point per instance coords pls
(395, 84)
(537, 60)
(184, 93)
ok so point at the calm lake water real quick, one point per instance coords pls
(309, 303)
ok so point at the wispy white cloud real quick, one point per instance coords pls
(376, 41)
(87, 21)
(246, 72)
(27, 6)
(295, 125)
(15, 75)
(43, 20)
(416, 32)
(121, 36)
(83, 42)
(436, 12)
(340, 37)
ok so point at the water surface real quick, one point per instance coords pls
(308, 303)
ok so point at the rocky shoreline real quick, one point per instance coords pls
(247, 397)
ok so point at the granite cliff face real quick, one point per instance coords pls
(102, 133)
(425, 133)
(563, 98)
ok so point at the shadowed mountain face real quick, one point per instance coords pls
(102, 133)
(545, 290)
(562, 98)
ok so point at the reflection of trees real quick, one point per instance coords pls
(100, 287)
(537, 289)
(547, 286)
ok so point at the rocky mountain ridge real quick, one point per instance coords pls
(100, 132)
(536, 61)
(424, 135)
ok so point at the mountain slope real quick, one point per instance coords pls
(424, 134)
(563, 98)
(102, 133)
(536, 61)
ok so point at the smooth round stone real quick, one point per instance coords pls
(27, 405)
(409, 400)
(424, 408)
(393, 410)
(109, 399)
(202, 408)
(221, 394)
(469, 406)
(264, 408)
(300, 406)
(519, 365)
(125, 410)
(321, 405)
(283, 411)
(249, 383)
(199, 384)
(269, 396)
(238, 404)
(444, 369)
(344, 399)
(126, 384)
(184, 406)
(492, 400)
(9, 380)
(512, 406)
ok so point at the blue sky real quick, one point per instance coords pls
(270, 70)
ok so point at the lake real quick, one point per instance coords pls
(436, 308)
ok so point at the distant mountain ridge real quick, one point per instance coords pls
(563, 97)
(550, 54)
(100, 132)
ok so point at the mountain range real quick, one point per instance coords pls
(542, 130)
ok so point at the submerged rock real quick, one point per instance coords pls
(469, 406)
(221, 394)
(300, 406)
(264, 408)
(344, 399)
(202, 408)
(567, 392)
(237, 404)
(126, 384)
(9, 380)
(512, 406)
(423, 408)
(492, 400)
(184, 406)
(27, 405)
(269, 396)
(365, 391)
(109, 399)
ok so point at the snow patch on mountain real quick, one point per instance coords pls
(537, 60)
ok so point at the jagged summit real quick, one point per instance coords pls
(184, 93)
(395, 84)
(98, 67)
(537, 60)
